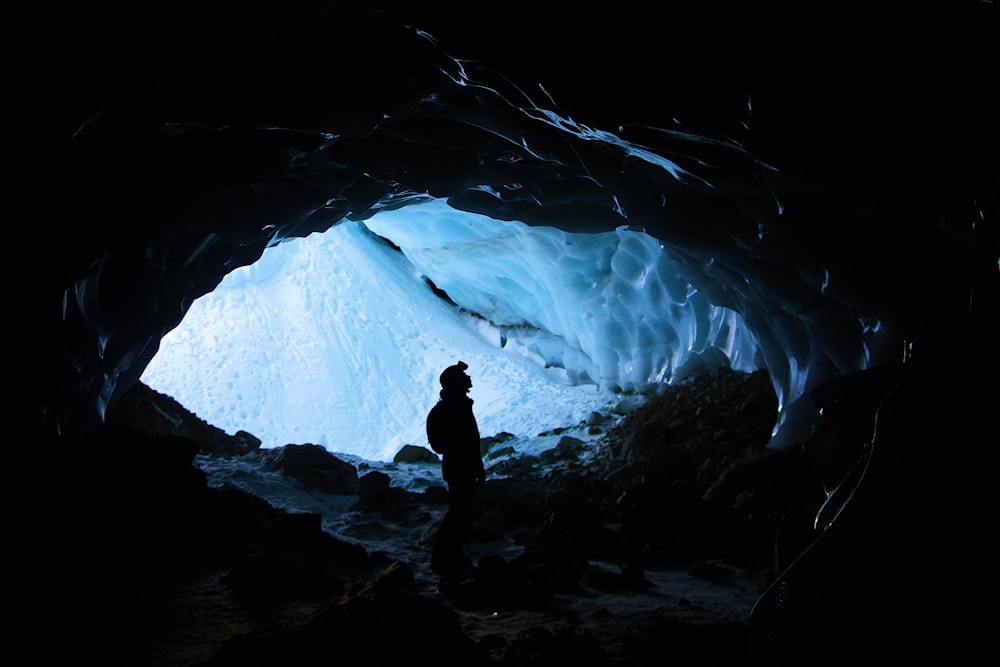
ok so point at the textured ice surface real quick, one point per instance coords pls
(338, 339)
(610, 308)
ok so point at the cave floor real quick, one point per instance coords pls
(189, 623)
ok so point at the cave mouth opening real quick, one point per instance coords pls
(227, 168)
(337, 338)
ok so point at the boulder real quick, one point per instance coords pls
(315, 467)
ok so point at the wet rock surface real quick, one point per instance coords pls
(585, 557)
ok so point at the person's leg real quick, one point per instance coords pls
(447, 557)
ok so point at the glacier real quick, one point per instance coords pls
(337, 339)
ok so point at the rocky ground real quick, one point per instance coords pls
(652, 548)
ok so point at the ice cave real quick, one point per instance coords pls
(590, 208)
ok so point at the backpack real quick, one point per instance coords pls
(437, 431)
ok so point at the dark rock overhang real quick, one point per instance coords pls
(132, 176)
(179, 167)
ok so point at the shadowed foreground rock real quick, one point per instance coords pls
(180, 573)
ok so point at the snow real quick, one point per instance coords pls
(338, 339)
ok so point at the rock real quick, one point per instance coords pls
(314, 466)
(373, 483)
(414, 454)
(150, 413)
(725, 415)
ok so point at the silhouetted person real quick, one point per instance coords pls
(452, 431)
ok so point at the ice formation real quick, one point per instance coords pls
(337, 339)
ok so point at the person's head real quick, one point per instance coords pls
(454, 379)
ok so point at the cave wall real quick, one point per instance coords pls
(173, 150)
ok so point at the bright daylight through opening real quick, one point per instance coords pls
(337, 339)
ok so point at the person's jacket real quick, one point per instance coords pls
(452, 431)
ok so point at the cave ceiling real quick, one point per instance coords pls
(167, 150)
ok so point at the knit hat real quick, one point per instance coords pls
(455, 377)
